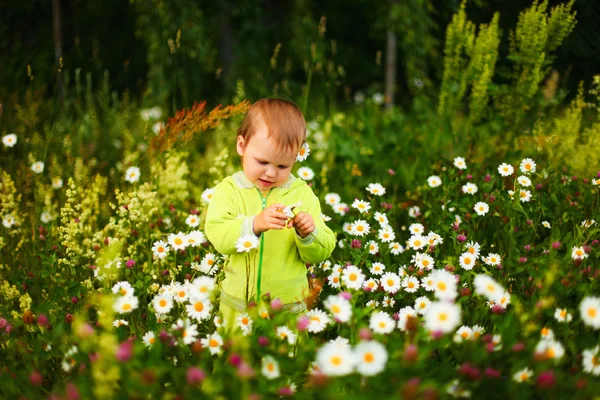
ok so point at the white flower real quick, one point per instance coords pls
(180, 292)
(377, 268)
(188, 330)
(486, 286)
(463, 333)
(352, 277)
(417, 242)
(382, 219)
(469, 188)
(434, 181)
(505, 169)
(378, 98)
(370, 358)
(46, 217)
(522, 375)
(340, 209)
(126, 304)
(57, 183)
(546, 224)
(361, 205)
(416, 229)
(473, 248)
(442, 316)
(595, 182)
(120, 322)
(421, 304)
(587, 223)
(303, 152)
(160, 249)
(578, 253)
(443, 283)
(527, 166)
(492, 259)
(192, 221)
(396, 248)
(410, 284)
(359, 228)
(590, 311)
(467, 261)
(334, 279)
(335, 360)
(332, 199)
(386, 234)
(459, 162)
(162, 303)
(550, 349)
(562, 315)
(339, 307)
(199, 308)
(376, 189)
(305, 173)
(423, 261)
(132, 174)
(213, 342)
(434, 239)
(208, 264)
(414, 211)
(390, 282)
(359, 98)
(318, 320)
(591, 361)
(270, 368)
(524, 181)
(481, 208)
(373, 247)
(381, 322)
(405, 315)
(195, 238)
(148, 339)
(207, 195)
(245, 323)
(123, 288)
(246, 243)
(177, 241)
(285, 333)
(37, 167)
(9, 140)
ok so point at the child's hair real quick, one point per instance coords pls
(283, 120)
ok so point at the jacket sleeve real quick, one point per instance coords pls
(319, 245)
(224, 224)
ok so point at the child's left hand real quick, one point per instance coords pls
(303, 223)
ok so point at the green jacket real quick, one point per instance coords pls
(234, 204)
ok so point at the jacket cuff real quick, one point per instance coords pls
(248, 226)
(308, 239)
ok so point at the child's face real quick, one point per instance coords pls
(263, 164)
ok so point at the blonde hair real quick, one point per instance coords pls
(283, 120)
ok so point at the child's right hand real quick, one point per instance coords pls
(271, 217)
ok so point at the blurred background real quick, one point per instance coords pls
(173, 53)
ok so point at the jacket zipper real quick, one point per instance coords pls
(262, 241)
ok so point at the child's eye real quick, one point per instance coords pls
(282, 167)
(262, 162)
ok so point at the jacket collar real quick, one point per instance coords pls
(242, 181)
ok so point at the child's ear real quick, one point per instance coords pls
(241, 144)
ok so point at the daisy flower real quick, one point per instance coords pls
(361, 205)
(370, 357)
(595, 182)
(120, 322)
(524, 181)
(126, 304)
(202, 286)
(481, 208)
(591, 361)
(377, 268)
(46, 217)
(463, 333)
(195, 238)
(381, 322)
(469, 188)
(177, 241)
(505, 169)
(522, 375)
(416, 229)
(416, 242)
(246, 243)
(382, 219)
(207, 195)
(410, 284)
(467, 261)
(199, 308)
(473, 248)
(57, 183)
(370, 284)
(376, 189)
(149, 339)
(578, 253)
(550, 349)
(396, 248)
(421, 304)
(486, 286)
(335, 360)
(123, 288)
(587, 223)
(546, 224)
(373, 247)
(590, 311)
(305, 173)
(162, 303)
(423, 261)
(444, 284)
(334, 280)
(270, 367)
(285, 333)
(434, 239)
(404, 315)
(244, 322)
(360, 228)
(352, 277)
(386, 234)
(459, 162)
(180, 292)
(9, 140)
(132, 174)
(434, 181)
(442, 317)
(492, 259)
(213, 342)
(318, 320)
(524, 196)
(390, 282)
(303, 152)
(387, 302)
(332, 199)
(547, 333)
(37, 167)
(340, 209)
(414, 211)
(192, 221)
(339, 307)
(160, 249)
(562, 315)
(527, 166)
(477, 331)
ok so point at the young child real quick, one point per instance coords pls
(251, 202)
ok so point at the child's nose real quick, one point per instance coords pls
(270, 171)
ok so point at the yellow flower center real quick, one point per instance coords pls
(382, 324)
(368, 357)
(443, 317)
(123, 291)
(425, 263)
(411, 285)
(245, 321)
(335, 309)
(213, 343)
(336, 360)
(467, 260)
(247, 244)
(591, 312)
(270, 367)
(198, 306)
(442, 286)
(465, 334)
(353, 276)
(151, 340)
(178, 241)
(390, 282)
(126, 307)
(162, 303)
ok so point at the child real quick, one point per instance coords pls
(250, 202)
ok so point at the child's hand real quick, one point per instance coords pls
(304, 224)
(271, 217)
